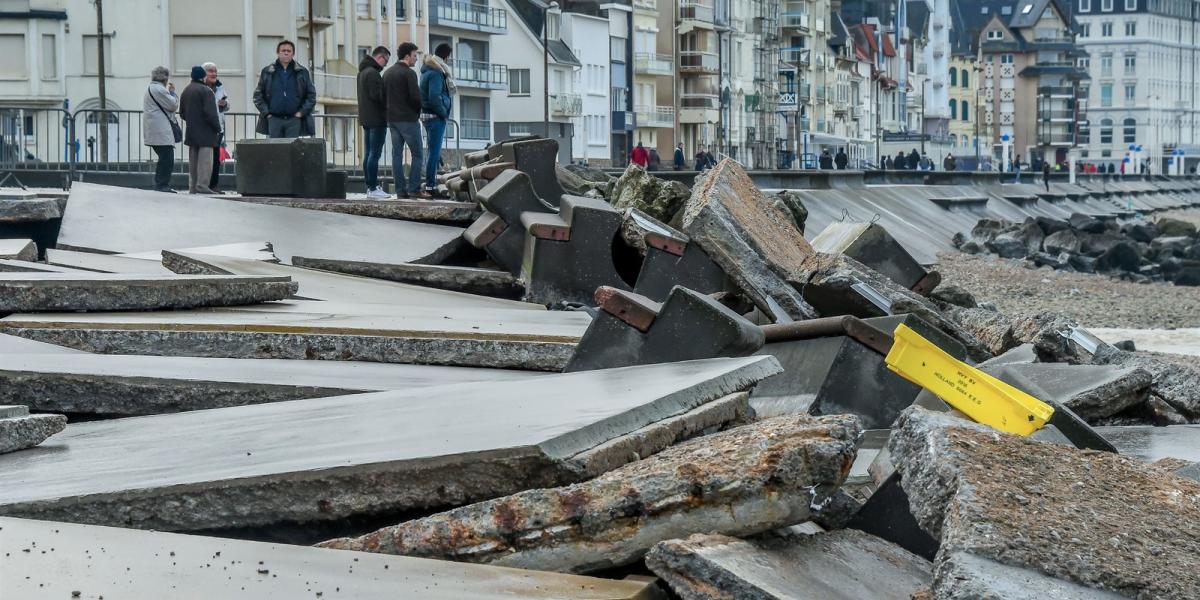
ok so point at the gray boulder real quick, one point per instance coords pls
(1175, 227)
(1122, 256)
(1061, 241)
(1144, 232)
(790, 202)
(1085, 223)
(656, 197)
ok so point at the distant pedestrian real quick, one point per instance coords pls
(840, 160)
(639, 156)
(655, 160)
(900, 162)
(1046, 174)
(214, 83)
(437, 93)
(949, 163)
(160, 129)
(1111, 169)
(198, 107)
(402, 92)
(825, 161)
(680, 159)
(372, 117)
(887, 163)
(914, 160)
(701, 160)
(708, 158)
(285, 96)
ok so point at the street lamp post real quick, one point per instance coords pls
(922, 122)
(546, 9)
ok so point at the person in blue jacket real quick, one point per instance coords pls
(437, 92)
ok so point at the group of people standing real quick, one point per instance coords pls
(396, 100)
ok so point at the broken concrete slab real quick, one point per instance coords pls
(67, 560)
(967, 576)
(1064, 513)
(429, 211)
(633, 330)
(1150, 443)
(468, 280)
(107, 292)
(19, 250)
(456, 336)
(129, 385)
(871, 245)
(11, 344)
(245, 250)
(337, 287)
(105, 263)
(659, 198)
(122, 220)
(367, 454)
(1091, 391)
(839, 565)
(752, 239)
(20, 430)
(1177, 385)
(744, 481)
(24, 266)
(29, 210)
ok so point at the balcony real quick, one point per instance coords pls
(1057, 116)
(475, 129)
(648, 63)
(1056, 91)
(655, 116)
(468, 15)
(692, 100)
(474, 74)
(697, 61)
(322, 14)
(787, 101)
(566, 105)
(336, 89)
(691, 10)
(796, 20)
(1056, 139)
(646, 5)
(795, 55)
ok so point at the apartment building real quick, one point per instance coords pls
(654, 85)
(586, 35)
(1142, 61)
(698, 65)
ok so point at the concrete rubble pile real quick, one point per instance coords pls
(564, 383)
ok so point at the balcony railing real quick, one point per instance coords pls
(646, 4)
(1052, 90)
(795, 55)
(648, 63)
(566, 105)
(476, 129)
(690, 10)
(468, 15)
(696, 61)
(708, 101)
(787, 100)
(338, 87)
(655, 116)
(795, 20)
(471, 73)
(322, 10)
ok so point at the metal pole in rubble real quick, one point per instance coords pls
(102, 121)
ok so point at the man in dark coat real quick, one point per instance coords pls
(841, 160)
(285, 96)
(825, 162)
(914, 160)
(402, 92)
(900, 162)
(198, 108)
(680, 160)
(372, 118)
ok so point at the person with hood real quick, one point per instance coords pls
(198, 107)
(949, 163)
(655, 161)
(825, 162)
(211, 80)
(701, 160)
(914, 160)
(841, 160)
(285, 96)
(371, 116)
(159, 126)
(680, 160)
(403, 94)
(437, 93)
(639, 156)
(900, 162)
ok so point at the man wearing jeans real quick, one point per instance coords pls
(285, 96)
(437, 93)
(402, 95)
(372, 116)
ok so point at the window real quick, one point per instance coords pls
(12, 56)
(1129, 130)
(1130, 4)
(49, 57)
(1106, 64)
(984, 9)
(1006, 59)
(1026, 9)
(995, 34)
(953, 108)
(90, 51)
(1085, 5)
(1130, 94)
(1106, 94)
(518, 82)
(966, 108)
(1130, 28)
(1006, 10)
(517, 129)
(362, 8)
(964, 79)
(953, 76)
(1106, 29)
(224, 50)
(1106, 5)
(616, 49)
(1106, 131)
(1084, 63)
(1130, 61)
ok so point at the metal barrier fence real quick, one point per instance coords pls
(55, 139)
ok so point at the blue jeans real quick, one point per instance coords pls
(373, 137)
(435, 130)
(406, 134)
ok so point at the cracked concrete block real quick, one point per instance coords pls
(24, 266)
(659, 198)
(20, 430)
(106, 263)
(1095, 519)
(282, 167)
(429, 211)
(750, 238)
(468, 280)
(839, 565)
(245, 250)
(967, 576)
(872, 245)
(362, 455)
(744, 481)
(49, 292)
(1177, 385)
(123, 220)
(24, 250)
(29, 210)
(46, 559)
(1091, 391)
(499, 230)
(569, 255)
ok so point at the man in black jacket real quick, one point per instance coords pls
(285, 96)
(372, 116)
(198, 108)
(402, 92)
(840, 160)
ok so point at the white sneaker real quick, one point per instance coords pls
(378, 194)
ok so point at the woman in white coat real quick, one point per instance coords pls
(159, 125)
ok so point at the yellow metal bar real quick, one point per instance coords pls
(980, 396)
